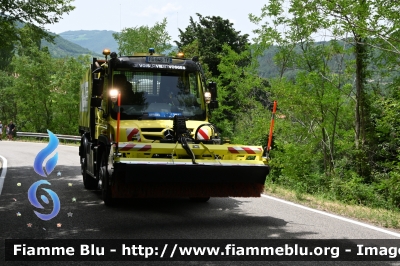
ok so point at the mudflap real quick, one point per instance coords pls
(175, 181)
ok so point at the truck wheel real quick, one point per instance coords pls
(205, 199)
(105, 182)
(88, 181)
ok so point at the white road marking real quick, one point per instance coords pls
(3, 172)
(335, 216)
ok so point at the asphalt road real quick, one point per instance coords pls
(84, 216)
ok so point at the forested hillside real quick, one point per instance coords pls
(64, 48)
(94, 40)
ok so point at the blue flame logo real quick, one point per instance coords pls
(51, 163)
(49, 167)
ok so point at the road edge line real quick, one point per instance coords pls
(3, 172)
(334, 216)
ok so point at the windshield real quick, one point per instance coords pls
(158, 94)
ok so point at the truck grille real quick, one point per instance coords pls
(155, 133)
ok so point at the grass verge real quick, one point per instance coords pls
(379, 217)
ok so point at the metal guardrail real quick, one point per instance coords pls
(45, 135)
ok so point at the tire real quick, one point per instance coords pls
(105, 181)
(88, 181)
(205, 199)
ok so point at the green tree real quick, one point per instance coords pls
(244, 98)
(340, 109)
(387, 166)
(28, 40)
(140, 39)
(211, 33)
(65, 94)
(46, 91)
(8, 96)
(362, 24)
(33, 86)
(6, 54)
(35, 13)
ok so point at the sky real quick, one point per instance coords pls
(118, 14)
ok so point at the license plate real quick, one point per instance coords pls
(158, 59)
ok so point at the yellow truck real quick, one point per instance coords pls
(145, 133)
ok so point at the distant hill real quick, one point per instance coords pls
(63, 48)
(94, 40)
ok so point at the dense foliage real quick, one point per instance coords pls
(43, 92)
(337, 100)
(210, 34)
(140, 39)
(34, 14)
(37, 90)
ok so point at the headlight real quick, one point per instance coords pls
(114, 95)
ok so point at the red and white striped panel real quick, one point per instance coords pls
(133, 147)
(133, 133)
(243, 150)
(202, 134)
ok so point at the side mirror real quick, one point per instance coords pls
(212, 87)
